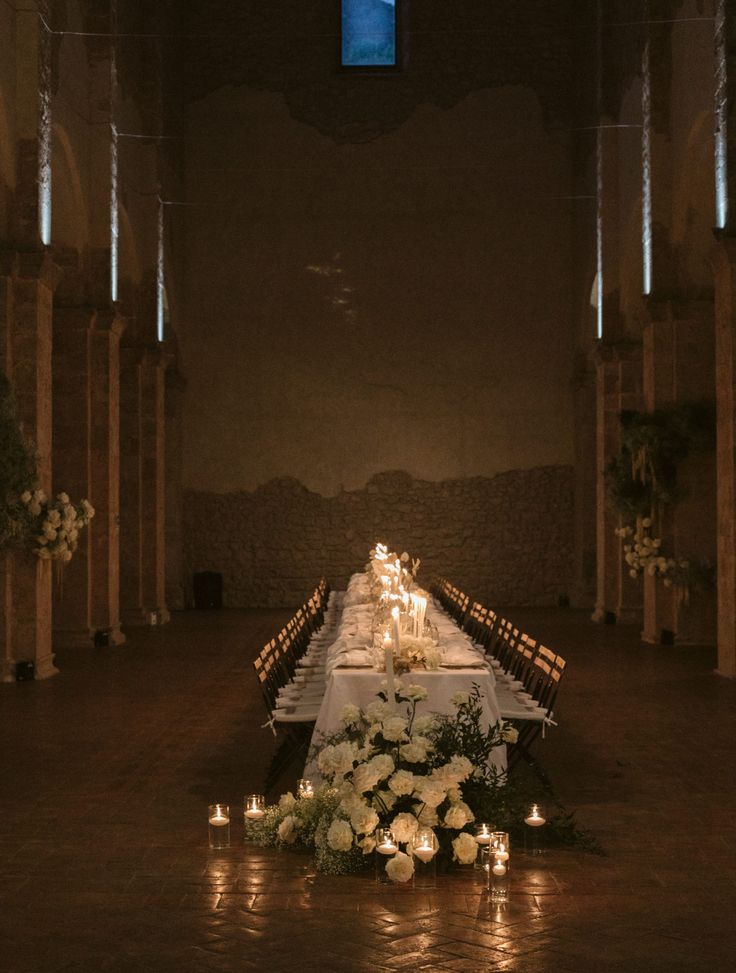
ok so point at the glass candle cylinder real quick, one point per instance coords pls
(535, 818)
(304, 788)
(219, 824)
(254, 807)
(483, 837)
(423, 848)
(498, 862)
(386, 848)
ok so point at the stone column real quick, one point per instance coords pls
(175, 386)
(143, 465)
(679, 367)
(86, 463)
(618, 388)
(725, 311)
(27, 281)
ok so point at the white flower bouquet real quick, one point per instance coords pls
(391, 768)
(55, 525)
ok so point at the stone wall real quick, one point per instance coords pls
(506, 539)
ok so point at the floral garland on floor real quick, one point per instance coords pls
(392, 768)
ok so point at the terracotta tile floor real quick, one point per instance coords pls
(106, 771)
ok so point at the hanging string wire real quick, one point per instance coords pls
(444, 31)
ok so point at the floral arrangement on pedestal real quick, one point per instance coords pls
(391, 768)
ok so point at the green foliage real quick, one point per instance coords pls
(17, 468)
(653, 445)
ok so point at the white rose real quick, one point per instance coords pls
(465, 848)
(35, 508)
(25, 497)
(288, 829)
(375, 712)
(400, 867)
(432, 792)
(367, 844)
(460, 699)
(350, 714)
(401, 783)
(510, 734)
(49, 533)
(460, 767)
(40, 496)
(44, 553)
(365, 778)
(394, 729)
(417, 693)
(63, 497)
(404, 827)
(340, 835)
(54, 518)
(458, 816)
(646, 522)
(412, 753)
(383, 764)
(364, 820)
(336, 761)
(287, 801)
(66, 556)
(405, 557)
(424, 723)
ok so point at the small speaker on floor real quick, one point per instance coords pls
(24, 671)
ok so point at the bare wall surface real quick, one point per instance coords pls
(356, 308)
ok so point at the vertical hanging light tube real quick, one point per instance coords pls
(114, 175)
(114, 214)
(160, 276)
(599, 176)
(44, 135)
(721, 108)
(646, 166)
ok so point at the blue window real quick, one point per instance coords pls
(368, 33)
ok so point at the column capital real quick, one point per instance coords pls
(39, 265)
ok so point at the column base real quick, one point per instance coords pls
(603, 617)
(45, 668)
(7, 671)
(146, 616)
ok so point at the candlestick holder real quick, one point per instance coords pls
(219, 825)
(424, 847)
(535, 818)
(499, 861)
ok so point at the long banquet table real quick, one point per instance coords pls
(352, 678)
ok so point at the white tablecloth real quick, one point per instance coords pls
(346, 684)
